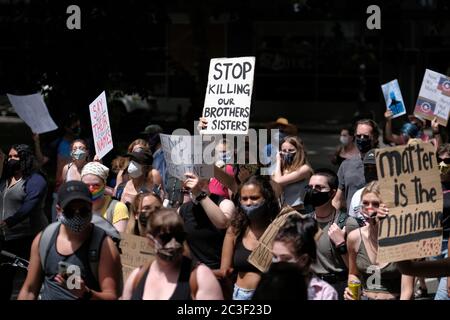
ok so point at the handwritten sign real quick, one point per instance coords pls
(228, 95)
(100, 126)
(393, 98)
(410, 186)
(434, 97)
(136, 251)
(261, 257)
(182, 155)
(33, 111)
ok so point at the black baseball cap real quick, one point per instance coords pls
(141, 157)
(369, 158)
(73, 190)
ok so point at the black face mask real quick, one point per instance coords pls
(12, 166)
(255, 212)
(316, 198)
(363, 144)
(143, 220)
(288, 158)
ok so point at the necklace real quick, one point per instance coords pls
(321, 219)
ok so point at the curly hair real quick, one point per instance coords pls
(298, 232)
(28, 163)
(240, 221)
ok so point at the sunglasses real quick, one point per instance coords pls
(167, 237)
(362, 136)
(374, 204)
(446, 160)
(82, 212)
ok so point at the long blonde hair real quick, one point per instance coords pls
(300, 155)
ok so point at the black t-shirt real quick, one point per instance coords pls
(204, 239)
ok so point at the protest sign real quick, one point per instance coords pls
(136, 251)
(393, 98)
(434, 97)
(33, 111)
(100, 126)
(261, 257)
(410, 186)
(228, 95)
(183, 155)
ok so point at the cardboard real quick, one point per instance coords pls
(410, 187)
(101, 128)
(261, 257)
(393, 98)
(33, 111)
(136, 251)
(434, 97)
(183, 156)
(228, 95)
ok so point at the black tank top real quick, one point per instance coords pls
(204, 239)
(241, 254)
(182, 290)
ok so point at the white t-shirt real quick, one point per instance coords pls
(355, 205)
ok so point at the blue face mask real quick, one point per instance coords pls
(255, 212)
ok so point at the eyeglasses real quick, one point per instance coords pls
(374, 204)
(362, 136)
(82, 212)
(318, 188)
(167, 237)
(445, 160)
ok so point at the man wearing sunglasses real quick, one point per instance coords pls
(64, 268)
(351, 172)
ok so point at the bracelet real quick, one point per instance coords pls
(342, 248)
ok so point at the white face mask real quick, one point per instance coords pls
(134, 169)
(344, 140)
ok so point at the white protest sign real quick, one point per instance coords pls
(32, 109)
(182, 155)
(434, 97)
(100, 125)
(393, 97)
(228, 95)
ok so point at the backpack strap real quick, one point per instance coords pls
(110, 210)
(193, 283)
(95, 248)
(342, 218)
(44, 242)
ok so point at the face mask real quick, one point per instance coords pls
(255, 212)
(288, 158)
(363, 144)
(344, 140)
(225, 156)
(143, 220)
(315, 197)
(134, 169)
(96, 193)
(170, 251)
(12, 166)
(76, 223)
(78, 154)
(369, 214)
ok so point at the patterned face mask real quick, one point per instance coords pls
(76, 223)
(78, 154)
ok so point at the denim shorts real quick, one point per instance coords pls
(242, 294)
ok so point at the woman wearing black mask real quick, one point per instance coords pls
(332, 260)
(292, 171)
(143, 207)
(171, 276)
(257, 207)
(23, 192)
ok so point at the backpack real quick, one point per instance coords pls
(100, 230)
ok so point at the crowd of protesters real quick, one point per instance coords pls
(203, 241)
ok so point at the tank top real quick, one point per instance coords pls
(182, 290)
(70, 176)
(240, 258)
(390, 277)
(204, 239)
(51, 289)
(294, 193)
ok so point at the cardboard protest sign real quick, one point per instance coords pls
(261, 257)
(393, 98)
(136, 251)
(100, 126)
(228, 95)
(183, 154)
(410, 186)
(33, 111)
(434, 97)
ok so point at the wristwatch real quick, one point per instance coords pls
(201, 196)
(342, 249)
